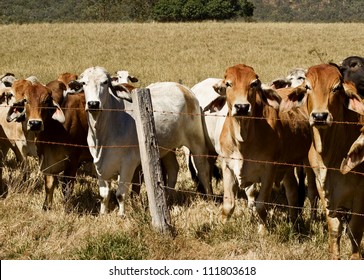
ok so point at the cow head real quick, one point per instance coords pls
(66, 78)
(240, 88)
(35, 101)
(352, 69)
(327, 93)
(6, 96)
(7, 80)
(296, 76)
(97, 86)
(123, 77)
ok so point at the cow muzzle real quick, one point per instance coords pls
(35, 125)
(320, 119)
(241, 109)
(93, 105)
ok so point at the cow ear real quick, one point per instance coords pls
(5, 95)
(280, 83)
(353, 102)
(16, 112)
(133, 79)
(58, 114)
(75, 86)
(122, 92)
(215, 105)
(220, 87)
(270, 97)
(294, 99)
(355, 155)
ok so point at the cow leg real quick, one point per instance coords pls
(312, 193)
(3, 190)
(230, 187)
(50, 182)
(335, 230)
(3, 187)
(69, 178)
(291, 187)
(137, 181)
(105, 195)
(262, 199)
(203, 166)
(301, 191)
(124, 184)
(251, 193)
(171, 167)
(355, 232)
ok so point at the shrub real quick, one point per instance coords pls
(219, 9)
(193, 10)
(168, 10)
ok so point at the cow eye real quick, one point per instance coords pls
(353, 64)
(337, 88)
(228, 84)
(254, 84)
(105, 82)
(307, 87)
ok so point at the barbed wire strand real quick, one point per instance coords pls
(194, 155)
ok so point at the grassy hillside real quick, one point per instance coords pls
(153, 52)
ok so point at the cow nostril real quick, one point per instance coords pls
(35, 125)
(242, 109)
(320, 117)
(93, 104)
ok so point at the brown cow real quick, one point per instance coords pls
(254, 136)
(12, 135)
(52, 125)
(60, 87)
(331, 103)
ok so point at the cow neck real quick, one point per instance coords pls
(331, 138)
(97, 137)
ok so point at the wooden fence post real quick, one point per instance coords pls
(150, 158)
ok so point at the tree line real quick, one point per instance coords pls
(32, 11)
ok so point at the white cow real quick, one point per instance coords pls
(294, 78)
(124, 77)
(112, 136)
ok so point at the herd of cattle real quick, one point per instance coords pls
(308, 121)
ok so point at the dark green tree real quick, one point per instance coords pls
(168, 10)
(193, 10)
(246, 9)
(220, 9)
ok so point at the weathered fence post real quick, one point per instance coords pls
(150, 158)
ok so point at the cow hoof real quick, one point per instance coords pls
(355, 256)
(122, 215)
(262, 230)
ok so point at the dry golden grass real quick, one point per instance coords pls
(188, 52)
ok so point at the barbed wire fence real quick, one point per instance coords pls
(181, 153)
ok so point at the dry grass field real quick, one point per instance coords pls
(189, 53)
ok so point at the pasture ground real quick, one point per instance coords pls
(184, 52)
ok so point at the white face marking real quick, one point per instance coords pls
(296, 77)
(95, 85)
(123, 76)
